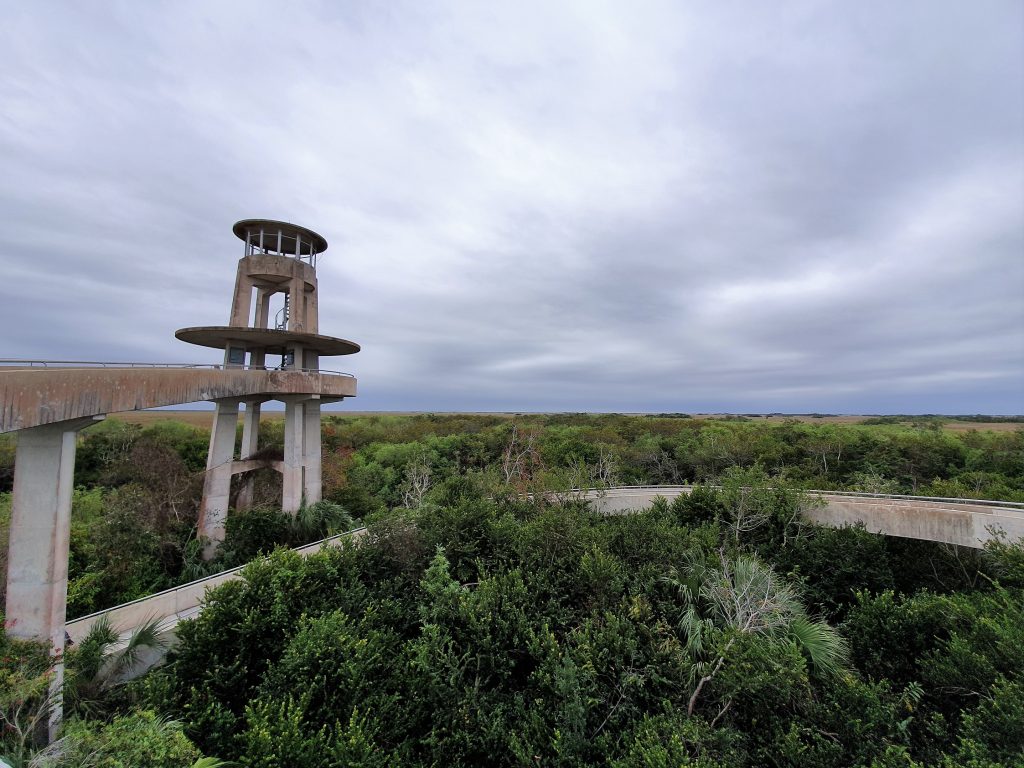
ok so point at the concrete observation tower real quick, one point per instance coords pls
(279, 258)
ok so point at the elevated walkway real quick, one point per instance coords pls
(963, 522)
(36, 393)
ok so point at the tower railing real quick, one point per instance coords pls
(280, 242)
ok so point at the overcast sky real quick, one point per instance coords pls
(728, 206)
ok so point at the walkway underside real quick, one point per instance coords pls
(33, 397)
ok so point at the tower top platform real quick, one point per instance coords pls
(270, 236)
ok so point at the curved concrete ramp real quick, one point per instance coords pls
(33, 397)
(964, 522)
(182, 602)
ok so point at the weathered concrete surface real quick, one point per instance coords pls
(279, 258)
(213, 511)
(37, 567)
(250, 445)
(269, 340)
(948, 522)
(959, 522)
(40, 535)
(293, 476)
(32, 397)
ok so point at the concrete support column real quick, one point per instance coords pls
(292, 480)
(241, 304)
(311, 459)
(296, 293)
(40, 533)
(312, 311)
(213, 511)
(262, 316)
(250, 444)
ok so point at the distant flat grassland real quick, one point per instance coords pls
(204, 418)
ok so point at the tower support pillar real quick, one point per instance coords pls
(40, 535)
(311, 453)
(213, 511)
(250, 445)
(293, 474)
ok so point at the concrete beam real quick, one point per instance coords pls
(239, 466)
(958, 522)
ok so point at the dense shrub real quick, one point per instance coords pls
(491, 632)
(138, 740)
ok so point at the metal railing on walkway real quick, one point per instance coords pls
(17, 363)
(850, 494)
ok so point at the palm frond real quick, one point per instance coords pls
(749, 596)
(101, 632)
(324, 518)
(211, 762)
(145, 637)
(828, 650)
(88, 658)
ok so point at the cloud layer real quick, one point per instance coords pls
(538, 206)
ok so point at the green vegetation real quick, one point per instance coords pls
(477, 624)
(484, 631)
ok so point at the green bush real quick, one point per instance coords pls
(252, 532)
(137, 740)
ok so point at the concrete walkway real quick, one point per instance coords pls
(41, 395)
(964, 522)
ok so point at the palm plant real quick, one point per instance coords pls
(318, 520)
(741, 597)
(98, 664)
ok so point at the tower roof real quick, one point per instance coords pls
(290, 233)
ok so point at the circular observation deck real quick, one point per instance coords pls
(271, 341)
(279, 238)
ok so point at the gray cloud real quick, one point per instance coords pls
(793, 207)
